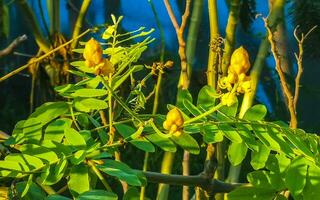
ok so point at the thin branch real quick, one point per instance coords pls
(299, 59)
(13, 45)
(287, 93)
(184, 76)
(212, 186)
(16, 71)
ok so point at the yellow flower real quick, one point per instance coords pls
(240, 62)
(92, 53)
(228, 99)
(174, 122)
(105, 67)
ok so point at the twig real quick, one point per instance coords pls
(16, 71)
(212, 186)
(299, 59)
(287, 93)
(184, 76)
(13, 45)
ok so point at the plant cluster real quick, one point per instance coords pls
(70, 148)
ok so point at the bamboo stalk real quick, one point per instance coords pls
(54, 14)
(214, 34)
(79, 22)
(233, 20)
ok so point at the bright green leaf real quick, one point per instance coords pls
(79, 180)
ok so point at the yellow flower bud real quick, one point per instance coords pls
(174, 121)
(240, 62)
(92, 53)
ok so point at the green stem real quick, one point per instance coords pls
(166, 167)
(117, 98)
(193, 32)
(99, 175)
(212, 110)
(54, 13)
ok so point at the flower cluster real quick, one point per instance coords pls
(236, 80)
(174, 122)
(93, 58)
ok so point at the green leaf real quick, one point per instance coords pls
(164, 143)
(49, 111)
(248, 137)
(296, 175)
(78, 157)
(97, 195)
(123, 77)
(260, 157)
(12, 169)
(34, 192)
(79, 180)
(74, 138)
(252, 193)
(255, 113)
(230, 133)
(236, 153)
(102, 133)
(30, 161)
(266, 137)
(311, 189)
(57, 197)
(54, 172)
(87, 92)
(89, 104)
(187, 142)
(207, 97)
(132, 194)
(55, 130)
(211, 134)
(298, 143)
(59, 148)
(32, 130)
(140, 142)
(81, 65)
(259, 179)
(183, 95)
(191, 108)
(39, 152)
(121, 171)
(28, 185)
(108, 32)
